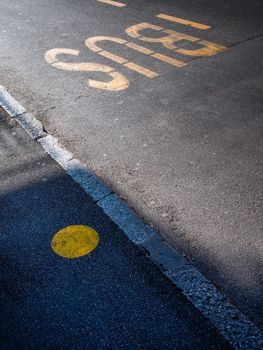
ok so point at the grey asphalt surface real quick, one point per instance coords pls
(184, 148)
(114, 298)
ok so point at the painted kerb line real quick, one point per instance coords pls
(183, 21)
(113, 3)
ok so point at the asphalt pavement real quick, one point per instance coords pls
(176, 131)
(112, 298)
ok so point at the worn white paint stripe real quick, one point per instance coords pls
(229, 321)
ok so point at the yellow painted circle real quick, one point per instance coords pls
(75, 241)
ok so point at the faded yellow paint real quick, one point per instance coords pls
(134, 30)
(113, 3)
(83, 67)
(51, 56)
(208, 49)
(91, 43)
(140, 48)
(168, 59)
(117, 83)
(139, 69)
(113, 57)
(183, 21)
(168, 41)
(75, 241)
(178, 36)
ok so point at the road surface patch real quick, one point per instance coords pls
(75, 241)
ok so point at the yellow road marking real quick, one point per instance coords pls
(177, 36)
(75, 241)
(117, 83)
(133, 31)
(51, 55)
(168, 59)
(183, 21)
(139, 69)
(168, 41)
(113, 3)
(208, 49)
(140, 48)
(91, 43)
(112, 57)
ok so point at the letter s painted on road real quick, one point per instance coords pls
(117, 83)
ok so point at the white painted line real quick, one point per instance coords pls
(229, 321)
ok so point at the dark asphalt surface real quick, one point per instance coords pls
(184, 148)
(114, 298)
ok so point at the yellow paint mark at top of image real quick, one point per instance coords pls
(183, 21)
(113, 3)
(75, 241)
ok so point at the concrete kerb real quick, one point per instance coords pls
(230, 322)
(10, 105)
(33, 127)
